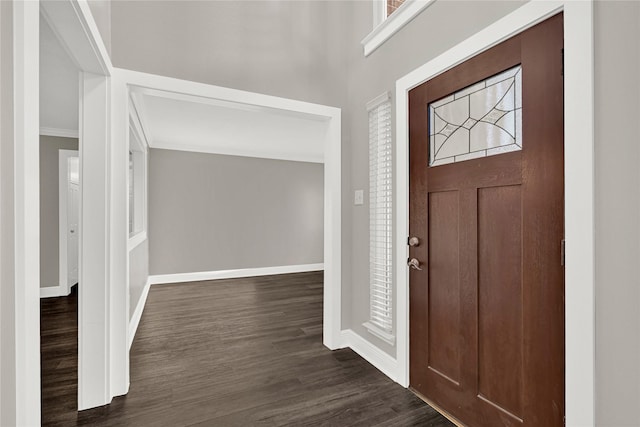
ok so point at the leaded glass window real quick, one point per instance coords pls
(481, 120)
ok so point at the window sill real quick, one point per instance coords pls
(387, 28)
(136, 240)
(384, 336)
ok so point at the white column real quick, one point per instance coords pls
(94, 278)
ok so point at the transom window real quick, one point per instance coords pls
(392, 5)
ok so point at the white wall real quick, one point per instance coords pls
(138, 274)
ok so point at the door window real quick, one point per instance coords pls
(481, 120)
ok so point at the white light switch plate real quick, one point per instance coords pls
(358, 197)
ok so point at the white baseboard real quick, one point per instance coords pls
(232, 274)
(52, 292)
(137, 313)
(372, 354)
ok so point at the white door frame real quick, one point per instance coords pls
(63, 184)
(125, 80)
(102, 355)
(579, 187)
(20, 404)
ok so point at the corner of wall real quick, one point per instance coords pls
(101, 11)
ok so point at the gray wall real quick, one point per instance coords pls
(284, 48)
(49, 207)
(617, 156)
(212, 212)
(138, 274)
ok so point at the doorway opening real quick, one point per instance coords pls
(60, 198)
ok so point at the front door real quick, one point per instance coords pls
(487, 208)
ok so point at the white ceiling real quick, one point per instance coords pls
(58, 84)
(190, 123)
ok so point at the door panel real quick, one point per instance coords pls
(487, 308)
(500, 298)
(444, 290)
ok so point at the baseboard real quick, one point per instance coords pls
(372, 354)
(51, 292)
(232, 274)
(137, 313)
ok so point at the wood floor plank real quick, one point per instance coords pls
(232, 352)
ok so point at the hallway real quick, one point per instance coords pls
(237, 352)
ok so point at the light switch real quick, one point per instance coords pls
(358, 197)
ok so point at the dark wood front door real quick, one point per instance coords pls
(487, 205)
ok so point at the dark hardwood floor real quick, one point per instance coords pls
(238, 352)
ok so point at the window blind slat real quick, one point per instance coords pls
(380, 220)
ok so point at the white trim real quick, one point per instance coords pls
(53, 292)
(178, 89)
(232, 274)
(93, 301)
(63, 182)
(579, 187)
(372, 354)
(133, 81)
(379, 12)
(136, 125)
(375, 102)
(119, 232)
(394, 23)
(72, 22)
(137, 314)
(218, 96)
(376, 331)
(232, 100)
(62, 133)
(136, 240)
(25, 331)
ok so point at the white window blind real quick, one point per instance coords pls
(380, 221)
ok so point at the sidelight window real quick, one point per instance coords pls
(136, 184)
(380, 220)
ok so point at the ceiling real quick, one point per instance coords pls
(59, 86)
(191, 123)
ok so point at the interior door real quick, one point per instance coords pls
(487, 209)
(73, 214)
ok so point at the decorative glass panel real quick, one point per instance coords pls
(392, 5)
(478, 121)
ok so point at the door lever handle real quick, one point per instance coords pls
(414, 263)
